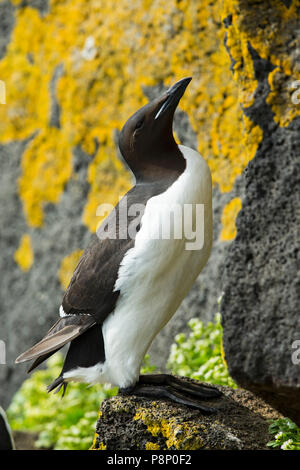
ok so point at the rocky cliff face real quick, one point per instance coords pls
(260, 306)
(131, 423)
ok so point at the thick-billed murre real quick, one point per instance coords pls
(126, 288)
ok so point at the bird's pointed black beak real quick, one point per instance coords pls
(173, 96)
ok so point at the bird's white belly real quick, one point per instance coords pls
(155, 276)
(140, 315)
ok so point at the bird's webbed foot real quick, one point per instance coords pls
(178, 390)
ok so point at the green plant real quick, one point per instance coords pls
(67, 423)
(199, 355)
(287, 434)
(147, 367)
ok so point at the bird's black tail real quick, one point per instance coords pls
(86, 350)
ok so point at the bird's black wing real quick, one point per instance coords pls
(91, 289)
(90, 296)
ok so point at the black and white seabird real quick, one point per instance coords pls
(126, 288)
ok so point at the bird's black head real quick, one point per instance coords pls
(146, 140)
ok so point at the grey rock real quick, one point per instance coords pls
(41, 5)
(261, 282)
(131, 423)
(7, 21)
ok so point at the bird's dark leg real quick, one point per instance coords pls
(164, 386)
(182, 385)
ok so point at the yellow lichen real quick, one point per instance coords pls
(229, 215)
(238, 47)
(26, 72)
(100, 87)
(24, 256)
(46, 167)
(223, 354)
(178, 435)
(252, 136)
(280, 98)
(98, 90)
(67, 267)
(269, 31)
(109, 182)
(119, 405)
(152, 446)
(100, 446)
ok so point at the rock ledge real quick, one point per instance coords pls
(131, 423)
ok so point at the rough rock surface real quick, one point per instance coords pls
(131, 423)
(25, 440)
(261, 283)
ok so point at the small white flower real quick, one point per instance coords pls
(286, 444)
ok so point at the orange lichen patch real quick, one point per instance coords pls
(229, 215)
(252, 136)
(280, 98)
(224, 145)
(134, 44)
(109, 182)
(101, 446)
(67, 267)
(27, 77)
(24, 256)
(182, 39)
(243, 70)
(223, 354)
(152, 446)
(46, 167)
(178, 435)
(269, 29)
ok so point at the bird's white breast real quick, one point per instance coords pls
(155, 275)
